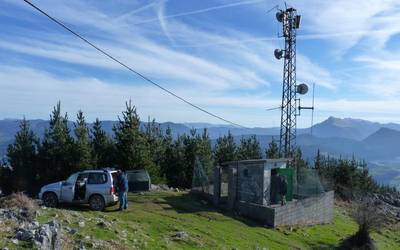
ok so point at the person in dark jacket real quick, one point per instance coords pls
(123, 188)
(283, 189)
(274, 187)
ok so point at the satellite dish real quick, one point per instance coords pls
(302, 89)
(278, 53)
(279, 16)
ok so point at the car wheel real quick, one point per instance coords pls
(96, 203)
(50, 199)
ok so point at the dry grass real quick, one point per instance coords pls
(20, 201)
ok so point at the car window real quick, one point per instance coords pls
(137, 176)
(97, 178)
(114, 177)
(82, 177)
(71, 180)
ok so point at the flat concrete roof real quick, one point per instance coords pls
(255, 161)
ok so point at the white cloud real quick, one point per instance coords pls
(343, 16)
(225, 66)
(232, 78)
(32, 93)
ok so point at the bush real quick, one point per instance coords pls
(20, 201)
(368, 219)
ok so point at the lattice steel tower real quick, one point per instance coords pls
(290, 23)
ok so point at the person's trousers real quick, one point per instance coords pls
(123, 200)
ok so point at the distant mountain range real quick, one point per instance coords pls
(348, 128)
(377, 143)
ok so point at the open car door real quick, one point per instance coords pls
(68, 189)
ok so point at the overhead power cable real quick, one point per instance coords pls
(129, 68)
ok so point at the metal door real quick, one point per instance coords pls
(288, 173)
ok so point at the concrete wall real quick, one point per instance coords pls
(312, 210)
(258, 212)
(250, 181)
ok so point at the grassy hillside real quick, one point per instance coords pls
(167, 220)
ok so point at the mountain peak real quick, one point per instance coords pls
(384, 136)
(340, 122)
(350, 128)
(386, 132)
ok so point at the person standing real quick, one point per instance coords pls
(123, 188)
(126, 189)
(275, 185)
(283, 189)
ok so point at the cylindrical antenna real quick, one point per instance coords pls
(312, 111)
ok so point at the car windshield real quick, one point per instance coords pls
(71, 180)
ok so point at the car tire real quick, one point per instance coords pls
(50, 199)
(97, 203)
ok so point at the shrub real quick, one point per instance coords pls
(368, 219)
(20, 201)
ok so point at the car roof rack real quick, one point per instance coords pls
(109, 169)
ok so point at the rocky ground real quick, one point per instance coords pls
(59, 232)
(388, 205)
(18, 220)
(19, 223)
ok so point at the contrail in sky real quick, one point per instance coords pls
(321, 36)
(204, 10)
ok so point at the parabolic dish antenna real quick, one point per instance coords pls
(302, 89)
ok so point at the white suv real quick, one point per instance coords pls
(95, 187)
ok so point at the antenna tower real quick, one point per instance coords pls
(290, 107)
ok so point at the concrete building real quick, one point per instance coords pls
(252, 188)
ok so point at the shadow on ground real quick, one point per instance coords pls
(86, 208)
(195, 204)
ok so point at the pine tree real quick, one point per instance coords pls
(318, 161)
(167, 153)
(348, 177)
(298, 159)
(249, 148)
(103, 149)
(190, 150)
(22, 157)
(170, 158)
(82, 148)
(56, 150)
(225, 149)
(131, 146)
(154, 140)
(204, 152)
(175, 163)
(182, 155)
(273, 150)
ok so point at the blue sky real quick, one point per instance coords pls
(218, 54)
